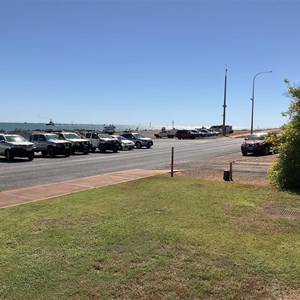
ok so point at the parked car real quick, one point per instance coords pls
(138, 139)
(50, 144)
(79, 144)
(213, 132)
(13, 145)
(124, 144)
(187, 134)
(102, 141)
(165, 133)
(256, 144)
(205, 132)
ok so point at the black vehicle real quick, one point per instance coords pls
(187, 134)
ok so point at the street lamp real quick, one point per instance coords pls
(253, 98)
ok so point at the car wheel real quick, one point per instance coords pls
(86, 151)
(9, 155)
(67, 154)
(31, 156)
(179, 137)
(267, 151)
(149, 145)
(138, 145)
(51, 152)
(244, 153)
(44, 153)
(102, 148)
(115, 150)
(72, 151)
(93, 149)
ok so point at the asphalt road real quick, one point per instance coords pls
(22, 173)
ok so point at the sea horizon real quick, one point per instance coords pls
(31, 126)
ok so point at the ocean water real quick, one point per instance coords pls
(9, 127)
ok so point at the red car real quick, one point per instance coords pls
(256, 144)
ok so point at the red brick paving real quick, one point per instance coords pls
(45, 191)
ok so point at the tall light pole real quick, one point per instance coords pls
(252, 99)
(224, 105)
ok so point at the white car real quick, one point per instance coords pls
(124, 143)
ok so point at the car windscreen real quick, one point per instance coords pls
(15, 139)
(139, 136)
(50, 137)
(104, 136)
(71, 136)
(256, 137)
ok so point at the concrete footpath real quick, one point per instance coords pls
(45, 191)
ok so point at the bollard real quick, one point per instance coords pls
(172, 162)
(230, 172)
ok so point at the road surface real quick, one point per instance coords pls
(22, 173)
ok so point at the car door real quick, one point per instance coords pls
(42, 142)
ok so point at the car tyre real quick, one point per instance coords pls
(267, 151)
(138, 145)
(31, 156)
(9, 155)
(149, 145)
(101, 148)
(44, 153)
(244, 153)
(51, 152)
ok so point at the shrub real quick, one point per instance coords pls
(285, 173)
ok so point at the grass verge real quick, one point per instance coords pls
(155, 238)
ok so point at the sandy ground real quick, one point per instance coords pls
(245, 169)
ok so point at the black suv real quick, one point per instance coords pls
(50, 144)
(187, 134)
(78, 143)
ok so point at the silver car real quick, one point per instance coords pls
(50, 144)
(138, 139)
(13, 145)
(124, 143)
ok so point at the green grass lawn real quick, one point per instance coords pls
(155, 238)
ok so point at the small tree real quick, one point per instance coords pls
(285, 173)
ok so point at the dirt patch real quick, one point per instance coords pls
(249, 169)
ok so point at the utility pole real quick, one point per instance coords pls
(252, 99)
(224, 105)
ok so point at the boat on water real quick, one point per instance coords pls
(110, 129)
(50, 123)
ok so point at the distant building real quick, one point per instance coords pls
(228, 128)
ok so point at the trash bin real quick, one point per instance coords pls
(226, 175)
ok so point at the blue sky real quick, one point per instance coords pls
(147, 62)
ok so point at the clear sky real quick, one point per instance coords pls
(147, 62)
